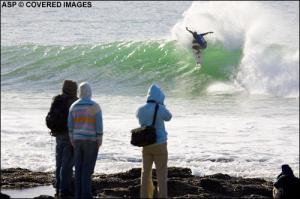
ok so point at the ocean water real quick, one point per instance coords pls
(238, 114)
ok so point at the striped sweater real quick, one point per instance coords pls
(85, 120)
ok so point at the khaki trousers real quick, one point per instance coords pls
(159, 155)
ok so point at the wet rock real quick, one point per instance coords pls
(181, 184)
(117, 192)
(256, 189)
(179, 172)
(18, 178)
(44, 197)
(213, 185)
(254, 196)
(176, 188)
(220, 176)
(131, 174)
(134, 191)
(4, 196)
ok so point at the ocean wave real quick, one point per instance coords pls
(131, 66)
(124, 64)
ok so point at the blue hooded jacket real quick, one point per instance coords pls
(146, 112)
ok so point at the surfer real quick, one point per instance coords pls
(199, 43)
(199, 38)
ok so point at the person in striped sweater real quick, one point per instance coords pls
(85, 131)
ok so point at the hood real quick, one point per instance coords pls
(85, 90)
(155, 93)
(286, 170)
(70, 88)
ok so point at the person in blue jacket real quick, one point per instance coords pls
(156, 152)
(199, 38)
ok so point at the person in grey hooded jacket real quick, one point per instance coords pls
(156, 152)
(85, 131)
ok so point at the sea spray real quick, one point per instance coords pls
(267, 37)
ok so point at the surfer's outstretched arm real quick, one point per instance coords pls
(206, 33)
(189, 30)
(195, 35)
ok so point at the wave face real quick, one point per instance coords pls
(267, 34)
(117, 66)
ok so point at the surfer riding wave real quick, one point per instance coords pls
(199, 43)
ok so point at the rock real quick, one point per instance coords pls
(44, 197)
(213, 185)
(254, 196)
(256, 189)
(181, 184)
(4, 196)
(177, 188)
(179, 172)
(220, 176)
(134, 191)
(131, 174)
(23, 178)
(117, 192)
(190, 196)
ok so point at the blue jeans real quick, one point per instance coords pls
(85, 153)
(64, 164)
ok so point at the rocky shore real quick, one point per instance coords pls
(181, 184)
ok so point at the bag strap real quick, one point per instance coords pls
(155, 113)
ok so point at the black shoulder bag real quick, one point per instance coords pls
(146, 135)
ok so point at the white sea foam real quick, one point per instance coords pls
(224, 88)
(267, 35)
(238, 135)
